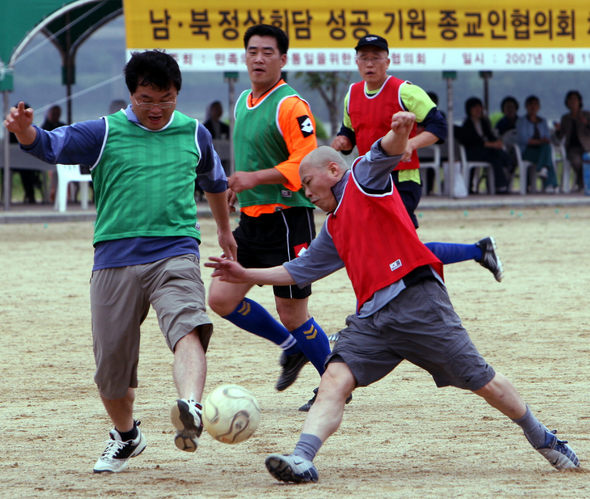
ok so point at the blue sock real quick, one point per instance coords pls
(534, 431)
(453, 253)
(313, 342)
(308, 446)
(253, 317)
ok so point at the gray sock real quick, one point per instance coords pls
(534, 431)
(308, 446)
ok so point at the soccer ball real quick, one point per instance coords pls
(231, 414)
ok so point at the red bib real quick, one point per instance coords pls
(371, 116)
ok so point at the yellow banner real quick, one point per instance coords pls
(515, 32)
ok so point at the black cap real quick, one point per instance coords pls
(374, 40)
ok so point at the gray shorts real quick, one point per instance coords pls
(419, 325)
(120, 299)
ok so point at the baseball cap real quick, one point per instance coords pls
(374, 40)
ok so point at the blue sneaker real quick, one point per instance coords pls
(291, 468)
(558, 453)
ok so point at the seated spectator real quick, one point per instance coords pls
(574, 130)
(29, 178)
(535, 142)
(506, 126)
(481, 144)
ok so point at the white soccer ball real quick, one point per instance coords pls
(231, 414)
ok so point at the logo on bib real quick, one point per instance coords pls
(395, 265)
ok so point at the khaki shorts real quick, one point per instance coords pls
(120, 299)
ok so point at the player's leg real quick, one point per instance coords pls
(311, 338)
(118, 308)
(177, 294)
(446, 351)
(229, 299)
(323, 420)
(483, 252)
(501, 394)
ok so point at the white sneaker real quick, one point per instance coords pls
(116, 456)
(186, 418)
(543, 172)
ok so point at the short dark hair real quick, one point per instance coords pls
(152, 67)
(577, 94)
(531, 98)
(471, 103)
(508, 99)
(268, 30)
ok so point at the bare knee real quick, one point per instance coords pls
(292, 313)
(222, 302)
(337, 382)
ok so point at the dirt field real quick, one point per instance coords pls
(400, 437)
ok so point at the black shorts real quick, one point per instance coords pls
(273, 239)
(410, 192)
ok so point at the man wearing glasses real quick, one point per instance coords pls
(368, 107)
(144, 163)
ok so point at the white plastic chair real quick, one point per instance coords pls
(560, 156)
(468, 165)
(433, 163)
(523, 166)
(65, 175)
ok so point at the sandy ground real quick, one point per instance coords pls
(400, 437)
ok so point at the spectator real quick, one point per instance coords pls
(535, 143)
(117, 105)
(29, 178)
(213, 123)
(574, 130)
(506, 126)
(52, 121)
(481, 144)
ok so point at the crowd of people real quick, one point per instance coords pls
(146, 159)
(538, 142)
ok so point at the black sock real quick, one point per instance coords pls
(129, 435)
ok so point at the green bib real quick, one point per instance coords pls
(259, 145)
(144, 181)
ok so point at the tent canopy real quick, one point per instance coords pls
(67, 23)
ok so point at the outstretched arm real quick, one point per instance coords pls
(232, 271)
(20, 122)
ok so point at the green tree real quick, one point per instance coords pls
(332, 87)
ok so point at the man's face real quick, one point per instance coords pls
(372, 63)
(317, 184)
(153, 106)
(264, 62)
(510, 109)
(532, 108)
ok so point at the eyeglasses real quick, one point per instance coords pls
(366, 60)
(151, 105)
